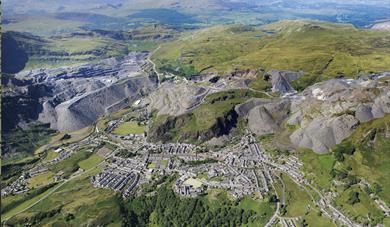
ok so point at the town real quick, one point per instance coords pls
(242, 169)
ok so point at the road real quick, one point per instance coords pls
(283, 191)
(154, 65)
(276, 214)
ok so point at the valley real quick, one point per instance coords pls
(209, 113)
(121, 154)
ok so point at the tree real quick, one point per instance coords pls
(353, 198)
(343, 148)
(377, 188)
(283, 210)
(69, 217)
(303, 223)
(273, 199)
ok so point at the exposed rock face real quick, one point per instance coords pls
(325, 113)
(84, 110)
(233, 80)
(244, 108)
(265, 117)
(281, 80)
(175, 99)
(364, 113)
(328, 112)
(70, 98)
(322, 133)
(163, 131)
(385, 26)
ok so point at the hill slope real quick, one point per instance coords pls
(321, 50)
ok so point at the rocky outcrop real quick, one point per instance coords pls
(323, 133)
(175, 99)
(321, 116)
(243, 109)
(385, 26)
(281, 80)
(171, 129)
(232, 80)
(82, 111)
(328, 112)
(264, 116)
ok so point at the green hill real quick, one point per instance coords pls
(214, 117)
(358, 166)
(322, 50)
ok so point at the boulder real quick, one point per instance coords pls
(364, 113)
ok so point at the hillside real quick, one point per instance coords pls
(26, 51)
(322, 50)
(33, 51)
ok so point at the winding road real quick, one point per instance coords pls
(154, 65)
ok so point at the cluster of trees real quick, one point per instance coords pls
(345, 148)
(29, 195)
(125, 153)
(36, 218)
(177, 68)
(376, 188)
(353, 198)
(348, 179)
(167, 209)
(200, 162)
(11, 171)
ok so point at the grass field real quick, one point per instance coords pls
(297, 199)
(50, 155)
(77, 197)
(41, 179)
(71, 164)
(9, 200)
(262, 208)
(56, 140)
(164, 163)
(75, 50)
(152, 165)
(255, 205)
(196, 183)
(313, 218)
(57, 51)
(91, 162)
(77, 44)
(372, 162)
(44, 25)
(318, 167)
(300, 204)
(361, 210)
(24, 205)
(129, 128)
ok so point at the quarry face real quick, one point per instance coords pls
(73, 97)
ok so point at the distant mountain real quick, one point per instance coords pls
(17, 57)
(382, 26)
(355, 11)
